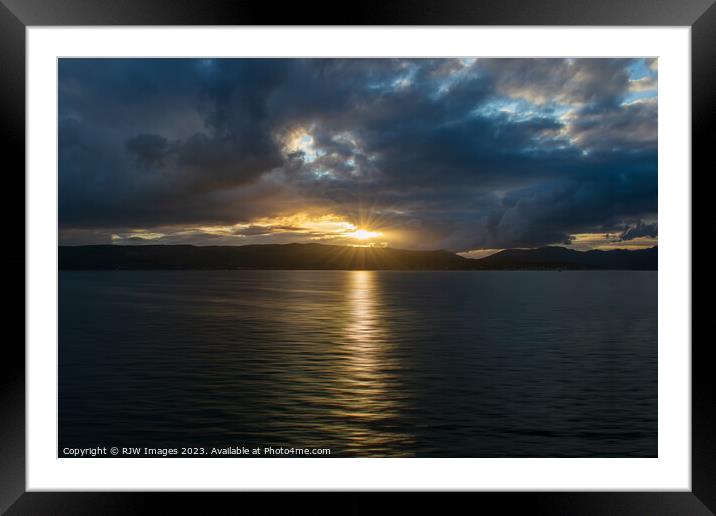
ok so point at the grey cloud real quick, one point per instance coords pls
(594, 84)
(150, 149)
(640, 229)
(407, 137)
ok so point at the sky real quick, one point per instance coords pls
(467, 155)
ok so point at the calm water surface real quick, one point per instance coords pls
(449, 364)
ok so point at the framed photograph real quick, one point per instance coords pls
(418, 248)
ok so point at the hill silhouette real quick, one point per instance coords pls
(320, 256)
(563, 258)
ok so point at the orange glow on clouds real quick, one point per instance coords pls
(299, 227)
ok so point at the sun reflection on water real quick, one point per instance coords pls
(364, 329)
(369, 387)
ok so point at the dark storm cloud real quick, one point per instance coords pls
(550, 212)
(150, 149)
(456, 154)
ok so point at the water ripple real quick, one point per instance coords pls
(452, 364)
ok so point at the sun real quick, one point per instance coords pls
(364, 234)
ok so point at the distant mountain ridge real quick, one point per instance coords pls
(561, 257)
(334, 257)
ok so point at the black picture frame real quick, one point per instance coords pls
(16, 15)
